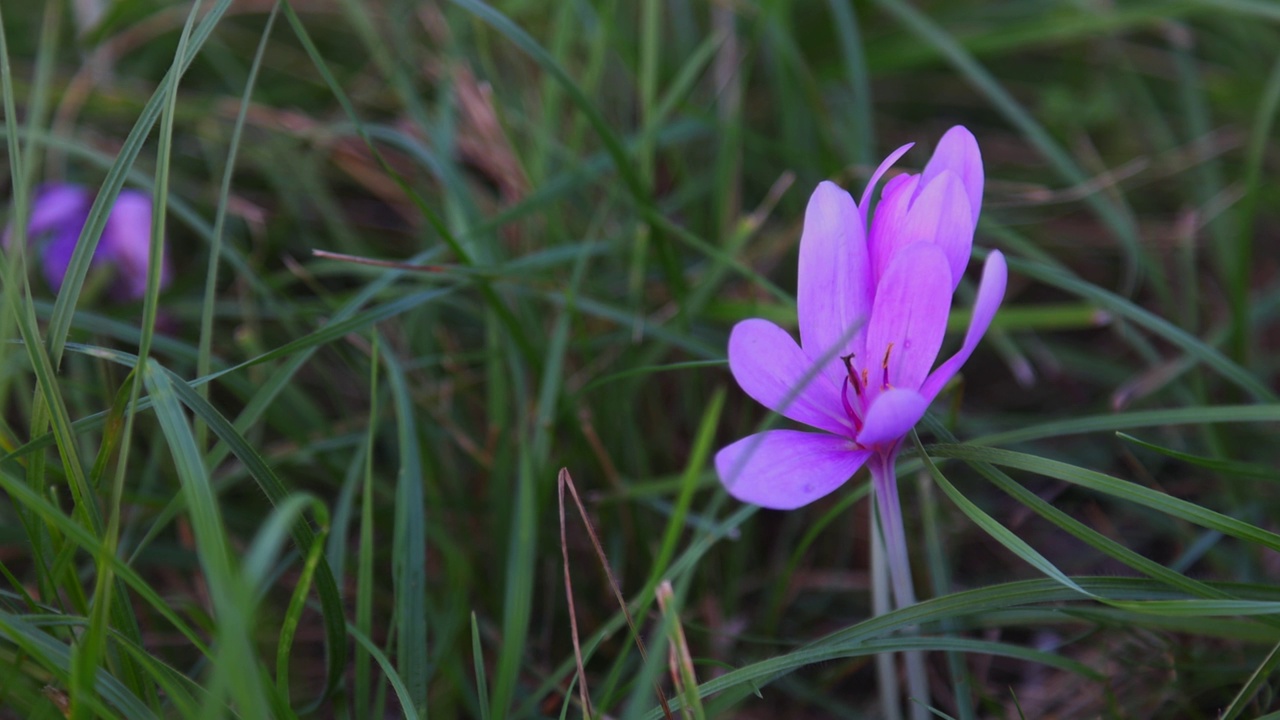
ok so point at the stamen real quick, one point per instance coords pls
(884, 365)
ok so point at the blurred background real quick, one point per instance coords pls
(425, 254)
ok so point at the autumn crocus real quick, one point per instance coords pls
(58, 216)
(873, 298)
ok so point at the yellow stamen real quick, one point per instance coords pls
(884, 366)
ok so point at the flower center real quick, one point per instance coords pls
(859, 380)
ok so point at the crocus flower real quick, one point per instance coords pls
(58, 216)
(873, 300)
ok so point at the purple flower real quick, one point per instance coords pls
(872, 302)
(58, 216)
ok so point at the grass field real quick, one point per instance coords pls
(423, 409)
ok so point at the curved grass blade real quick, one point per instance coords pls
(65, 306)
(988, 524)
(1093, 538)
(93, 645)
(1189, 343)
(409, 543)
(477, 659)
(1238, 280)
(1226, 467)
(56, 657)
(326, 588)
(236, 662)
(297, 602)
(1136, 419)
(867, 637)
(1253, 685)
(22, 495)
(1114, 487)
(205, 351)
(393, 677)
(332, 610)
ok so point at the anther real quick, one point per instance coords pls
(884, 365)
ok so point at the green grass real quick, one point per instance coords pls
(294, 485)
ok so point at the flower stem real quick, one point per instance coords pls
(886, 675)
(885, 484)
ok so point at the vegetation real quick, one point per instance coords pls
(426, 255)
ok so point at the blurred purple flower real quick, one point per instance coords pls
(872, 308)
(58, 216)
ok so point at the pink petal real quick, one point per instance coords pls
(774, 371)
(990, 293)
(909, 318)
(891, 415)
(834, 287)
(784, 469)
(958, 152)
(126, 241)
(940, 214)
(889, 221)
(865, 204)
(55, 257)
(892, 184)
(58, 205)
